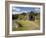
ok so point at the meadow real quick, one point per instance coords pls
(24, 24)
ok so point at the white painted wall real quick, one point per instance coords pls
(2, 19)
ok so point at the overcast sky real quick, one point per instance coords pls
(18, 10)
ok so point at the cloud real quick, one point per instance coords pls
(13, 13)
(17, 12)
(16, 9)
(37, 10)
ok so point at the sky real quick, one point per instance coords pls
(18, 10)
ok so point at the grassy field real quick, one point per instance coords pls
(27, 25)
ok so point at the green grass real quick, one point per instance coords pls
(27, 25)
